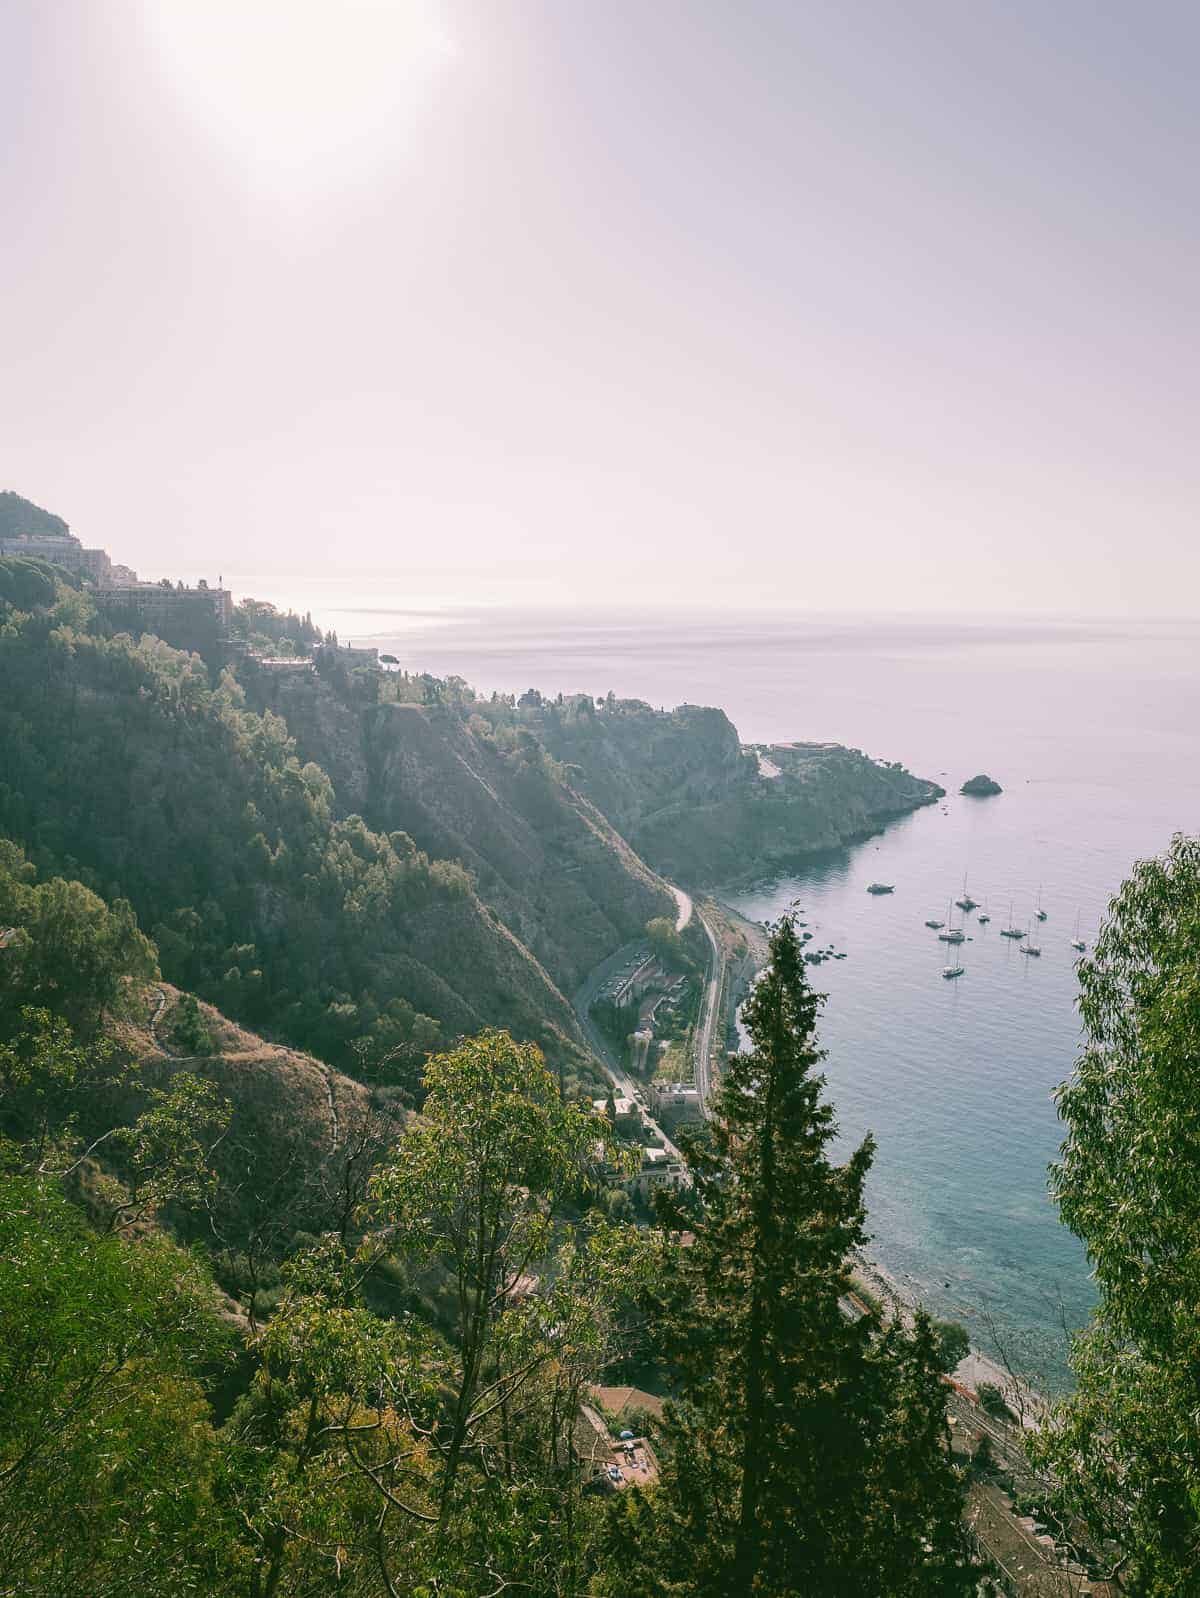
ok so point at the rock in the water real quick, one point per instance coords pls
(981, 786)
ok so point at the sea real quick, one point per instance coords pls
(1090, 726)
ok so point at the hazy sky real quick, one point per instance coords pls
(822, 303)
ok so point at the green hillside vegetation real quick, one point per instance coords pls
(124, 766)
(266, 1329)
(390, 1400)
(308, 1256)
(468, 785)
(691, 800)
(271, 631)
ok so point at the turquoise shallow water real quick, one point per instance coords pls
(1091, 728)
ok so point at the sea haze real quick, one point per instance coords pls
(1090, 727)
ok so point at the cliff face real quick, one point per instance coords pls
(702, 808)
(552, 868)
(634, 762)
(567, 851)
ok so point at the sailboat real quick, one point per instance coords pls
(984, 918)
(1031, 948)
(952, 933)
(1077, 942)
(966, 902)
(1041, 914)
(1010, 931)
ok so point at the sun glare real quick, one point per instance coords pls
(303, 93)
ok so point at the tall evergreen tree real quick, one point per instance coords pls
(807, 1453)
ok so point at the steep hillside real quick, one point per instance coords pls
(121, 764)
(542, 855)
(301, 1137)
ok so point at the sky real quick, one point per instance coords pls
(579, 303)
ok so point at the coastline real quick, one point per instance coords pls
(1028, 1406)
(878, 1283)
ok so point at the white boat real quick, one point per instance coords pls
(952, 933)
(966, 902)
(1040, 913)
(1031, 948)
(984, 918)
(951, 971)
(1077, 942)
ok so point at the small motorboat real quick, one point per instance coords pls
(936, 925)
(881, 887)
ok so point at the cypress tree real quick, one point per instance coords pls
(807, 1451)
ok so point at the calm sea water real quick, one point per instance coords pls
(1091, 728)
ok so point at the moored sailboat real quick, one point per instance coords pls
(1011, 931)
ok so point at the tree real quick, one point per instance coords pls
(72, 952)
(808, 1453)
(47, 1083)
(50, 1084)
(953, 1344)
(333, 1479)
(189, 1033)
(1125, 1446)
(991, 1398)
(666, 943)
(348, 1404)
(165, 1155)
(108, 1462)
(473, 1186)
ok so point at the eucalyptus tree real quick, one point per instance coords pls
(368, 1422)
(1124, 1448)
(108, 1460)
(473, 1187)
